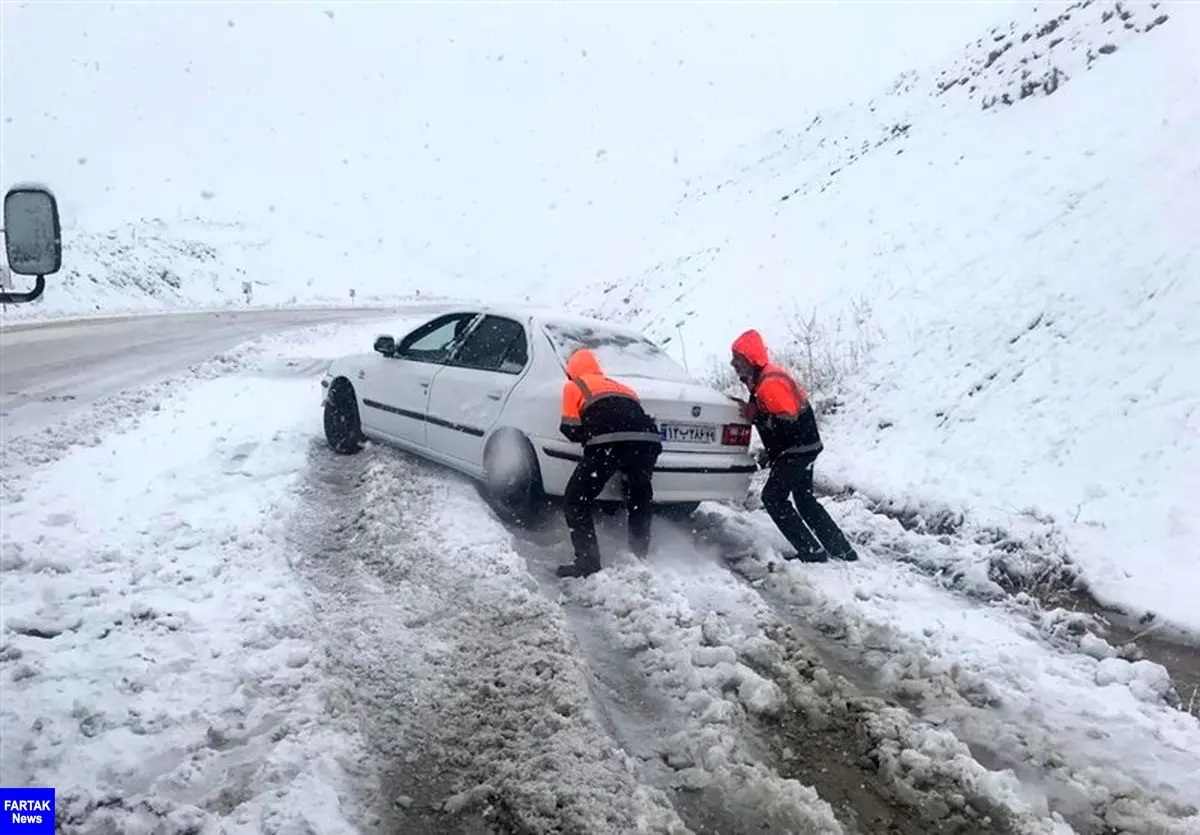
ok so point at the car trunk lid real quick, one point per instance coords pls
(691, 417)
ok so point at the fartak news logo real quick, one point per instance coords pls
(26, 811)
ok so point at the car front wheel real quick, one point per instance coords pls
(343, 429)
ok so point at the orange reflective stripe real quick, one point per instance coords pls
(596, 385)
(585, 390)
(600, 387)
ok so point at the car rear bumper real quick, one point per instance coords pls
(678, 476)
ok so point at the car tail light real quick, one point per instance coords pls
(736, 434)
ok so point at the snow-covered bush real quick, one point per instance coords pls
(822, 353)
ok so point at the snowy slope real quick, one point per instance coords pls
(1013, 239)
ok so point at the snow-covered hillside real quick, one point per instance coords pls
(156, 266)
(1007, 248)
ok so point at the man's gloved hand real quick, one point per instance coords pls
(748, 410)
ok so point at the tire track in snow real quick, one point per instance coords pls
(458, 674)
(355, 614)
(686, 749)
(880, 770)
(686, 740)
(744, 706)
(1087, 787)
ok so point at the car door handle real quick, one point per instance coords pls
(423, 383)
(494, 394)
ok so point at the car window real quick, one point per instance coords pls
(620, 353)
(517, 356)
(497, 344)
(435, 340)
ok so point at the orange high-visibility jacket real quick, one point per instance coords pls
(785, 419)
(597, 409)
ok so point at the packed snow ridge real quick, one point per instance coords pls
(991, 268)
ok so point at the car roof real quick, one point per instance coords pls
(543, 315)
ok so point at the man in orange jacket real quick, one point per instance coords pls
(617, 436)
(784, 417)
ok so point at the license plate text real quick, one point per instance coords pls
(689, 433)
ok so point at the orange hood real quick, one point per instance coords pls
(582, 362)
(751, 346)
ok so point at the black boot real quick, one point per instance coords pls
(828, 533)
(815, 554)
(577, 569)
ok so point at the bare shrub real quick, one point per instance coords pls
(821, 353)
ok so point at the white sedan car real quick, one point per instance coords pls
(480, 391)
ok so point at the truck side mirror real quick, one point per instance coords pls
(32, 237)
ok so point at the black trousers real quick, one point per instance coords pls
(788, 498)
(635, 461)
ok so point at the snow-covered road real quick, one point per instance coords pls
(213, 625)
(49, 369)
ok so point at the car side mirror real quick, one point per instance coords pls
(385, 345)
(32, 237)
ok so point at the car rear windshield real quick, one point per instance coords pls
(620, 354)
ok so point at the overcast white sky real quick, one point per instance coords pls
(518, 134)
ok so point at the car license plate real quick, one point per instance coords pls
(689, 433)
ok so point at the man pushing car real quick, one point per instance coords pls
(782, 413)
(607, 417)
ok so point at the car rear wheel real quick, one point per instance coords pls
(343, 429)
(513, 479)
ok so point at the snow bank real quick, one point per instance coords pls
(1092, 735)
(156, 648)
(1020, 225)
(159, 660)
